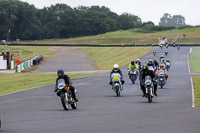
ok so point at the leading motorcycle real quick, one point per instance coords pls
(117, 83)
(66, 95)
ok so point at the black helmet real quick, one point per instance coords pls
(132, 62)
(60, 73)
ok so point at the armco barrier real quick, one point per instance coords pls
(37, 60)
(101, 45)
(34, 61)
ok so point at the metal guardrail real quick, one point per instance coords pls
(26, 64)
(101, 45)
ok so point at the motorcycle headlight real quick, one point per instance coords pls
(161, 74)
(148, 82)
(61, 86)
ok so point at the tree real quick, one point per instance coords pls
(127, 21)
(168, 20)
(59, 21)
(178, 21)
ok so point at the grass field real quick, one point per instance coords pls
(195, 68)
(105, 58)
(196, 81)
(28, 52)
(195, 60)
(130, 37)
(21, 81)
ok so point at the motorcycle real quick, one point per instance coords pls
(149, 88)
(154, 53)
(133, 75)
(117, 83)
(151, 68)
(66, 95)
(161, 78)
(178, 47)
(168, 66)
(166, 53)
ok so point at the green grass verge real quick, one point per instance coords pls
(130, 37)
(195, 60)
(28, 52)
(195, 68)
(196, 81)
(21, 81)
(105, 58)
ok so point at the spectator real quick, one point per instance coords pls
(18, 62)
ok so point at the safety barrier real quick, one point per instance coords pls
(101, 45)
(26, 64)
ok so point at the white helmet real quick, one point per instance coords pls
(138, 60)
(116, 67)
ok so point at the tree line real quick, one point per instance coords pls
(20, 20)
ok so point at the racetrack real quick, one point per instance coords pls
(100, 111)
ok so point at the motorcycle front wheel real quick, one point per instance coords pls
(117, 92)
(64, 101)
(161, 85)
(149, 96)
(133, 79)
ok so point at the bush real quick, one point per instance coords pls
(151, 29)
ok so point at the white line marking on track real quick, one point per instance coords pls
(192, 85)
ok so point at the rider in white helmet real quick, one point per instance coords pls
(138, 63)
(116, 69)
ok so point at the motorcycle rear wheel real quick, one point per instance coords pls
(74, 105)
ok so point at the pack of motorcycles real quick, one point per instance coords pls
(134, 74)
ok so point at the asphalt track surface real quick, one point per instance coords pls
(100, 111)
(69, 59)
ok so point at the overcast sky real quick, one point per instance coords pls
(147, 10)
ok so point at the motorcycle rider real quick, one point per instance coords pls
(168, 61)
(116, 70)
(132, 65)
(138, 63)
(150, 63)
(155, 62)
(174, 45)
(162, 67)
(154, 52)
(146, 72)
(68, 82)
(162, 57)
(166, 52)
(178, 47)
